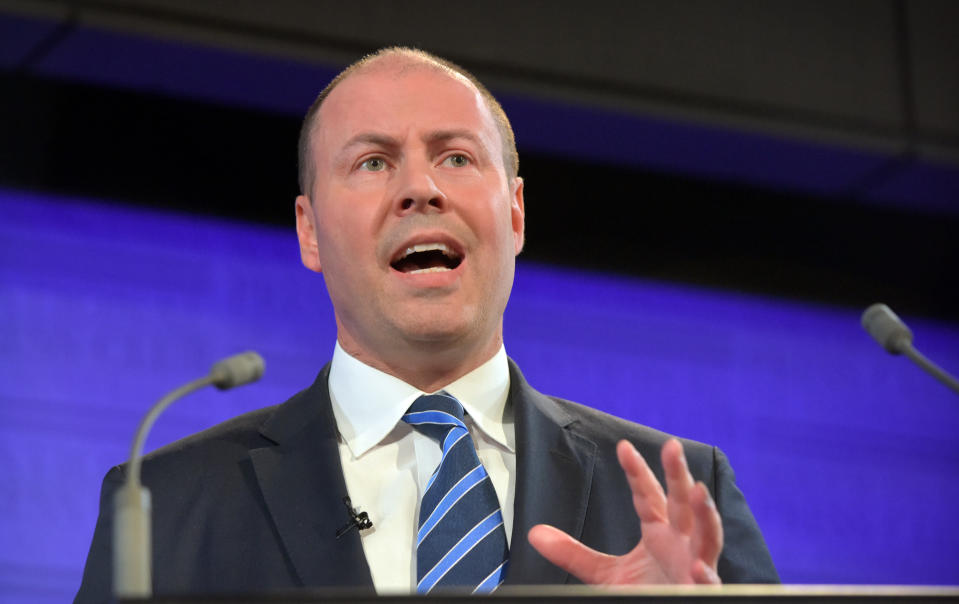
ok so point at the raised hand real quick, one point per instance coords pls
(682, 532)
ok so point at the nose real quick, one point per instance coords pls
(417, 191)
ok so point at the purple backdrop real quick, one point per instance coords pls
(847, 455)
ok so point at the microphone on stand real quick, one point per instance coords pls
(131, 522)
(893, 335)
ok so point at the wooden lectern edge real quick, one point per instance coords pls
(534, 594)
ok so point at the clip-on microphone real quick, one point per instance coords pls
(358, 520)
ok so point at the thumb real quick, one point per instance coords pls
(584, 563)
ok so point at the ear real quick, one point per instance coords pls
(518, 213)
(306, 233)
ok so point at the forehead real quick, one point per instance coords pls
(402, 100)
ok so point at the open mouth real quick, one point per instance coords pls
(427, 258)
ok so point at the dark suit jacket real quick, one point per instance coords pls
(253, 504)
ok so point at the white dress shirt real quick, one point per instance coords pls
(387, 463)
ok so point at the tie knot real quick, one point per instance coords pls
(441, 401)
(435, 414)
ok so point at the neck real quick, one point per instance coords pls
(426, 366)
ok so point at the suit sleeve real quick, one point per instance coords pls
(97, 584)
(745, 557)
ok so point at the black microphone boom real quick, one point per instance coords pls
(893, 335)
(131, 521)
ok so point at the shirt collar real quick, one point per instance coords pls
(368, 403)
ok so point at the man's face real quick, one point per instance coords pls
(413, 220)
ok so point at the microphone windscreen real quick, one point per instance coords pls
(237, 370)
(886, 328)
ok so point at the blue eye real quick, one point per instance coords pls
(457, 160)
(374, 164)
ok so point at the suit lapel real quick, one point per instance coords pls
(301, 479)
(554, 470)
(302, 483)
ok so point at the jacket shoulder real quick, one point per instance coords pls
(241, 431)
(606, 430)
(235, 437)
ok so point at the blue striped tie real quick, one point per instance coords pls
(461, 541)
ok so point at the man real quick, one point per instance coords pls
(413, 211)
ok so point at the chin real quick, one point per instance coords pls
(439, 335)
(438, 330)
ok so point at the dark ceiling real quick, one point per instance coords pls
(807, 150)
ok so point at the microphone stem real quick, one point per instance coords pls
(136, 451)
(132, 530)
(935, 370)
(132, 573)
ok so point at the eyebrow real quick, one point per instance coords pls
(441, 136)
(372, 138)
(444, 136)
(388, 142)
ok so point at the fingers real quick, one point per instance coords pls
(648, 496)
(582, 562)
(703, 574)
(679, 485)
(707, 538)
(691, 509)
(686, 505)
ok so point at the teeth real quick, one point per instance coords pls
(435, 269)
(428, 247)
